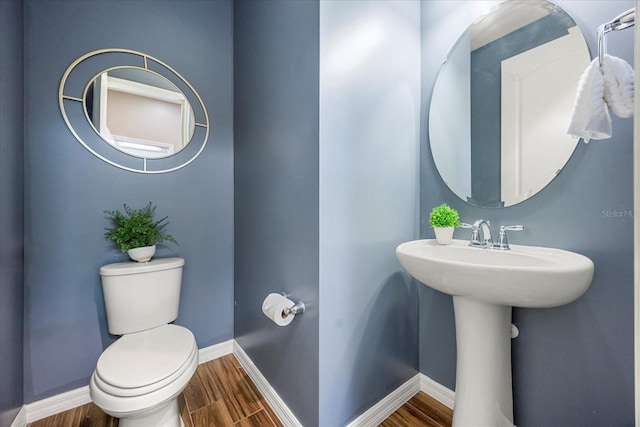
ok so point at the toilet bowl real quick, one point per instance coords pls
(139, 377)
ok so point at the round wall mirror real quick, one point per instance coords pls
(503, 100)
(133, 111)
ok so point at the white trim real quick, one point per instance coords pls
(436, 390)
(277, 404)
(215, 351)
(72, 399)
(133, 87)
(21, 418)
(389, 404)
(55, 404)
(373, 416)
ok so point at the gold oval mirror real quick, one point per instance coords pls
(133, 111)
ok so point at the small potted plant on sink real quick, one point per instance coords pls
(136, 233)
(444, 219)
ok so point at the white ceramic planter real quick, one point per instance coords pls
(142, 254)
(444, 235)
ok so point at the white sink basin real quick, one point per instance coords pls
(525, 276)
(485, 284)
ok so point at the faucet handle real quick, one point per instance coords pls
(475, 232)
(503, 242)
(475, 240)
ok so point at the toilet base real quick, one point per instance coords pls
(166, 415)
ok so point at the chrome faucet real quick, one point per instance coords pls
(484, 227)
(481, 235)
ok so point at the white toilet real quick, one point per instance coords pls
(139, 377)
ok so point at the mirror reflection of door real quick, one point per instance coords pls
(140, 113)
(532, 128)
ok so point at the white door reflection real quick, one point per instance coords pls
(142, 114)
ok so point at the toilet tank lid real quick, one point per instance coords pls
(124, 268)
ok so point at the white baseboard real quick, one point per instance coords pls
(277, 404)
(373, 416)
(55, 404)
(389, 404)
(215, 351)
(21, 418)
(436, 390)
(72, 399)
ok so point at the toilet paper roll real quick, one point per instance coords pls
(273, 306)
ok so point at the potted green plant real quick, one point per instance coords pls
(136, 233)
(444, 219)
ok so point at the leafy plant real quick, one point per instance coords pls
(135, 228)
(444, 216)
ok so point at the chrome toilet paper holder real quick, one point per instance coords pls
(295, 309)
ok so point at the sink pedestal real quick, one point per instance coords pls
(485, 284)
(483, 368)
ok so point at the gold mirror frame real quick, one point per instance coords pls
(72, 94)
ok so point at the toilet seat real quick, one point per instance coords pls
(146, 361)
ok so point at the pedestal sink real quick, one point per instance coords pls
(485, 284)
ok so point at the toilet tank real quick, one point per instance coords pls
(140, 296)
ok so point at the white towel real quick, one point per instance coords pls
(618, 85)
(590, 119)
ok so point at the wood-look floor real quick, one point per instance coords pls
(421, 410)
(221, 394)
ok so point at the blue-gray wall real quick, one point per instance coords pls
(67, 188)
(369, 121)
(326, 177)
(276, 192)
(11, 210)
(572, 365)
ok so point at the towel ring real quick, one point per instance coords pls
(602, 44)
(624, 20)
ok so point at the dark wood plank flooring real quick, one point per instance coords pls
(421, 410)
(221, 394)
